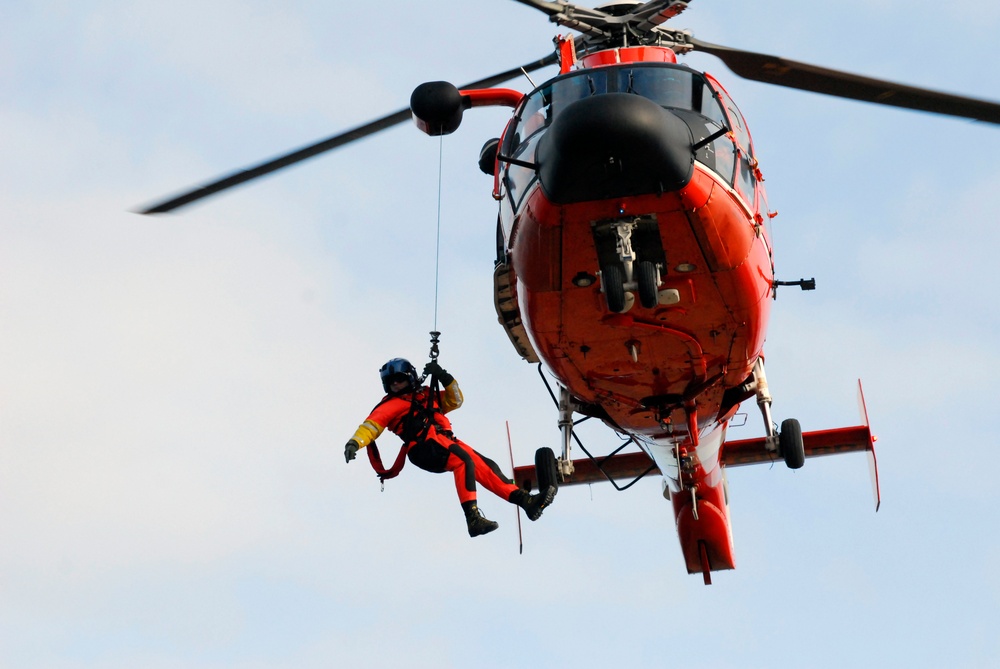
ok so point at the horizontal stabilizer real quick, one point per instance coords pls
(820, 442)
(628, 466)
(616, 467)
(633, 466)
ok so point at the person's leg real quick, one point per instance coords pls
(489, 474)
(463, 466)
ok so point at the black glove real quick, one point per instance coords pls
(432, 368)
(351, 450)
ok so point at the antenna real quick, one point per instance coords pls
(528, 77)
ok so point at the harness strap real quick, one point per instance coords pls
(375, 458)
(419, 417)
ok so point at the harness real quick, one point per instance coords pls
(416, 425)
(376, 459)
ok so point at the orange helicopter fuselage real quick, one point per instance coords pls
(690, 350)
(668, 373)
(708, 238)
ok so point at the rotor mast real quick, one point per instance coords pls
(619, 24)
(627, 23)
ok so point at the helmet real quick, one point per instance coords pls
(395, 368)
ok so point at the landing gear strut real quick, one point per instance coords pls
(620, 282)
(565, 462)
(788, 441)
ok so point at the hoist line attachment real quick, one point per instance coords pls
(435, 339)
(437, 241)
(435, 334)
(374, 457)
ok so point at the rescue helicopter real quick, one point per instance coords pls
(633, 259)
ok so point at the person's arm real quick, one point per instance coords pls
(371, 429)
(367, 432)
(451, 398)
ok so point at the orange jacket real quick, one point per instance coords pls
(392, 411)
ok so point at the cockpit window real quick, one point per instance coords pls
(546, 103)
(738, 124)
(672, 86)
(669, 85)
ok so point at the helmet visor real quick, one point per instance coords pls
(397, 382)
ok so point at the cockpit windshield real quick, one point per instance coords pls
(684, 91)
(668, 85)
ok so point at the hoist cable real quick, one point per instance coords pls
(437, 249)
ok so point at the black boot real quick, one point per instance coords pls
(533, 504)
(478, 524)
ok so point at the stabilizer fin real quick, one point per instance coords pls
(820, 442)
(870, 448)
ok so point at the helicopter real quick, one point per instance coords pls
(634, 260)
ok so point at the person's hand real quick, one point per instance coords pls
(435, 370)
(351, 450)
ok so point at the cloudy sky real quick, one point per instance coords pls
(175, 392)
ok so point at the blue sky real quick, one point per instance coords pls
(175, 392)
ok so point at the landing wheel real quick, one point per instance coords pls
(614, 288)
(790, 442)
(546, 469)
(645, 276)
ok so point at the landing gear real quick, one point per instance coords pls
(614, 288)
(546, 468)
(790, 443)
(565, 464)
(621, 280)
(647, 277)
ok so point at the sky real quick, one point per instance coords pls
(175, 391)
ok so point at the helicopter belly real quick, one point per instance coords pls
(643, 364)
(695, 482)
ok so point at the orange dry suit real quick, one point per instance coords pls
(429, 441)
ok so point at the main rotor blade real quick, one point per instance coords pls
(550, 8)
(657, 12)
(792, 74)
(297, 156)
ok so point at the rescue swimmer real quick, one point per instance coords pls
(416, 413)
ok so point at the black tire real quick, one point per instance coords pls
(790, 442)
(614, 287)
(546, 469)
(649, 292)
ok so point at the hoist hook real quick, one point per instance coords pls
(435, 338)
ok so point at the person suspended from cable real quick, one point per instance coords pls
(416, 413)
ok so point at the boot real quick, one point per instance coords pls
(478, 524)
(533, 504)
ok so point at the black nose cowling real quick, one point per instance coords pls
(614, 145)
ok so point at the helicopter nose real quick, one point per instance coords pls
(614, 145)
